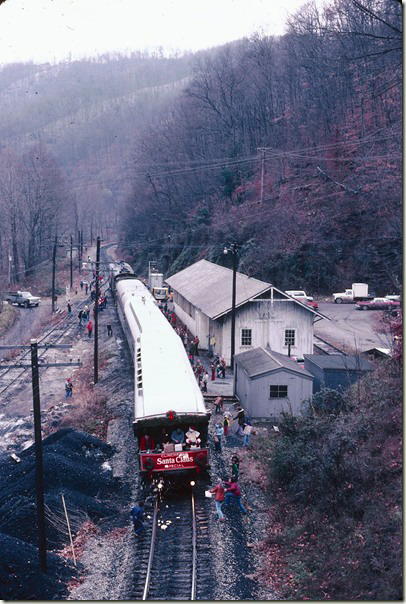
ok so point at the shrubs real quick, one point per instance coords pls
(336, 478)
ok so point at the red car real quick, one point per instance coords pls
(377, 304)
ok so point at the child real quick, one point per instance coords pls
(235, 466)
(226, 424)
(219, 491)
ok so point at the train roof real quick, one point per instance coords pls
(168, 381)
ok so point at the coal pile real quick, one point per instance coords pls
(75, 466)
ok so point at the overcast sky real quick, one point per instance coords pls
(51, 30)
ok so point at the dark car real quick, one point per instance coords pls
(378, 304)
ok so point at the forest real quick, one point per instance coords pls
(288, 146)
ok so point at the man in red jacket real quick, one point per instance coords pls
(233, 492)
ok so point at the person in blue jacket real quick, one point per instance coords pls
(137, 515)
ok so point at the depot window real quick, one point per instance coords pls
(246, 337)
(278, 391)
(289, 337)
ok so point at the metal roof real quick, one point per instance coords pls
(259, 361)
(208, 287)
(339, 361)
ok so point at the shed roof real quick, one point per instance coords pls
(259, 361)
(339, 362)
(208, 287)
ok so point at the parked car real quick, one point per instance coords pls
(377, 304)
(25, 299)
(393, 297)
(302, 297)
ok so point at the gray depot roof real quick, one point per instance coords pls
(208, 286)
(258, 361)
(339, 361)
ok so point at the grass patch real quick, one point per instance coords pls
(8, 315)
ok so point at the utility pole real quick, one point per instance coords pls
(39, 467)
(10, 259)
(71, 262)
(53, 273)
(233, 249)
(262, 175)
(79, 259)
(96, 316)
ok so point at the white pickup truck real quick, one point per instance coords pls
(358, 292)
(299, 294)
(25, 299)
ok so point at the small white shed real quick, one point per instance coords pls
(267, 383)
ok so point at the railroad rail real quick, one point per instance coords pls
(167, 554)
(324, 347)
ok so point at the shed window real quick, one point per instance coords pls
(278, 391)
(246, 337)
(289, 337)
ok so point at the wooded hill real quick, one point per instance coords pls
(67, 146)
(290, 147)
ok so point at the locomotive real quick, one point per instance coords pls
(170, 417)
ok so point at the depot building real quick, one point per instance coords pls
(265, 316)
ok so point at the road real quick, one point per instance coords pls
(350, 329)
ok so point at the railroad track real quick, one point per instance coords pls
(174, 551)
(58, 332)
(324, 347)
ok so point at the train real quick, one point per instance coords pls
(170, 417)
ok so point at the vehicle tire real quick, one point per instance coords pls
(338, 301)
(26, 304)
(364, 307)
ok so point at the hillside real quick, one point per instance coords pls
(83, 118)
(290, 147)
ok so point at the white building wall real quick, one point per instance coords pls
(254, 393)
(268, 322)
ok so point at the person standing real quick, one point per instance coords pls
(226, 424)
(247, 432)
(235, 466)
(233, 492)
(89, 328)
(80, 317)
(137, 515)
(219, 498)
(241, 420)
(68, 388)
(109, 330)
(205, 380)
(69, 305)
(219, 434)
(196, 343)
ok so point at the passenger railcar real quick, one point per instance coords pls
(118, 271)
(167, 396)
